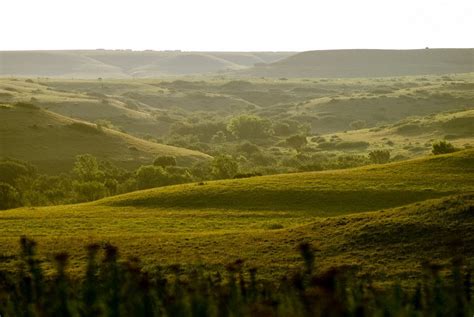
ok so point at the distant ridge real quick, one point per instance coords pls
(127, 63)
(368, 63)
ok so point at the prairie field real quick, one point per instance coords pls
(236, 184)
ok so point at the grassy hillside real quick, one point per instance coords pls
(52, 141)
(409, 137)
(320, 193)
(262, 219)
(369, 63)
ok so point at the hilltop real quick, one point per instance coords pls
(51, 141)
(241, 219)
(368, 63)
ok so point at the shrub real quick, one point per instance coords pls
(11, 171)
(86, 168)
(149, 176)
(224, 166)
(249, 127)
(347, 145)
(165, 161)
(90, 190)
(248, 148)
(246, 175)
(296, 141)
(379, 156)
(443, 147)
(9, 197)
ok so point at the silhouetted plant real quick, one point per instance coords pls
(111, 287)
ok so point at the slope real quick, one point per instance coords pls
(388, 245)
(324, 193)
(51, 141)
(412, 136)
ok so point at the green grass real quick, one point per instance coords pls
(262, 220)
(320, 193)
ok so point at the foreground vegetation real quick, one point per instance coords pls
(111, 287)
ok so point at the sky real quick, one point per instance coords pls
(235, 25)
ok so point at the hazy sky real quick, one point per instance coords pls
(240, 25)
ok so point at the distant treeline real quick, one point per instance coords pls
(112, 287)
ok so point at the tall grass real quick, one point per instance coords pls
(112, 287)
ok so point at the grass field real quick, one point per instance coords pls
(385, 218)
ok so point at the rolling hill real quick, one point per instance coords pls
(383, 218)
(408, 137)
(51, 141)
(326, 193)
(368, 63)
(126, 63)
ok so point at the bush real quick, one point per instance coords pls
(9, 197)
(90, 190)
(379, 156)
(347, 145)
(165, 161)
(443, 147)
(224, 166)
(149, 176)
(86, 168)
(248, 148)
(11, 171)
(296, 141)
(249, 127)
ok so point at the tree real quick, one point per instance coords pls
(224, 166)
(87, 169)
(165, 161)
(249, 127)
(89, 190)
(9, 197)
(379, 156)
(443, 147)
(12, 170)
(296, 141)
(219, 137)
(149, 176)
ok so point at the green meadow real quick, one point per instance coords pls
(384, 218)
